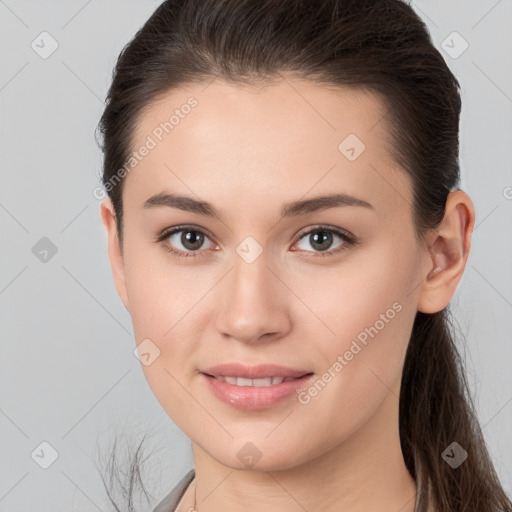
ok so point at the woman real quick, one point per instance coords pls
(286, 229)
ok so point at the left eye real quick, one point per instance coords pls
(191, 240)
(321, 239)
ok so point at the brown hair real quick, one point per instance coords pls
(381, 46)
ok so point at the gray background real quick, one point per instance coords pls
(68, 375)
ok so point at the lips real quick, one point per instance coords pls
(262, 371)
(254, 387)
(242, 381)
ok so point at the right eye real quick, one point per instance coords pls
(190, 238)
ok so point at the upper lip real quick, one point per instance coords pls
(260, 371)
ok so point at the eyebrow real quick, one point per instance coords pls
(302, 207)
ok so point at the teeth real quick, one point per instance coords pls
(241, 381)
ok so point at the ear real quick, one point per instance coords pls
(108, 218)
(448, 248)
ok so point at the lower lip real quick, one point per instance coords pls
(254, 397)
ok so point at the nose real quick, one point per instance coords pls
(253, 302)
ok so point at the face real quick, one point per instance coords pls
(263, 274)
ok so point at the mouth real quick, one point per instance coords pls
(256, 387)
(254, 373)
(262, 382)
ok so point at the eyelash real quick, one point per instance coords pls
(345, 236)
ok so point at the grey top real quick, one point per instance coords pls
(170, 502)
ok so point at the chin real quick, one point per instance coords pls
(260, 454)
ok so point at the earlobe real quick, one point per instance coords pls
(108, 218)
(448, 252)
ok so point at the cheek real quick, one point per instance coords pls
(170, 306)
(370, 315)
(160, 294)
(362, 364)
(366, 290)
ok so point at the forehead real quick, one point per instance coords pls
(279, 139)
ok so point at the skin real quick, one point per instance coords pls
(249, 151)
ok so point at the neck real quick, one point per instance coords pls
(364, 472)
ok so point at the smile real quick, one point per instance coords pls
(257, 393)
(242, 381)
